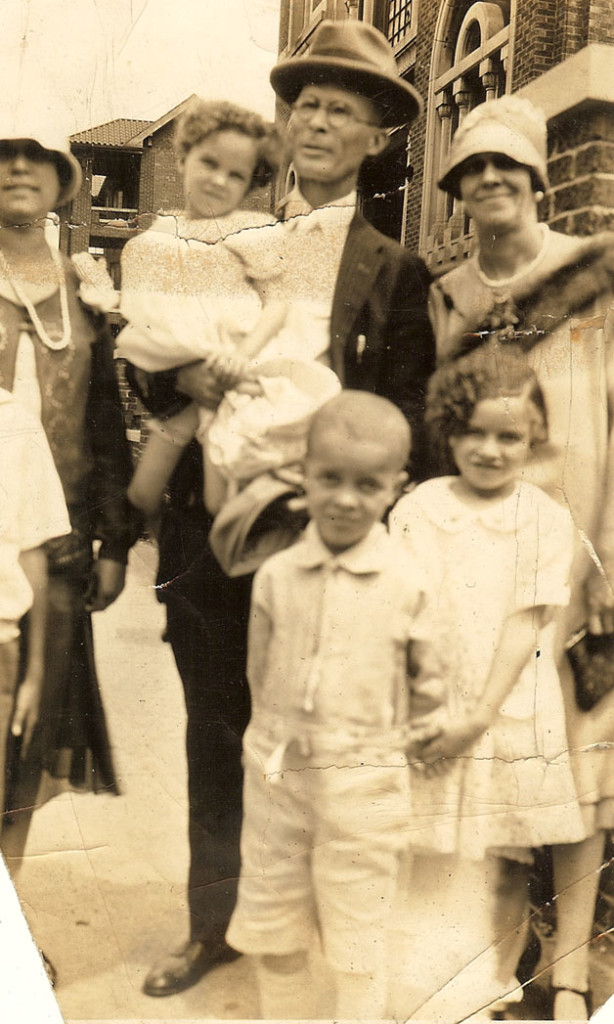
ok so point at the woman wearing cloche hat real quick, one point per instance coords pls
(56, 359)
(552, 297)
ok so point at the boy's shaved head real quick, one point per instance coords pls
(367, 419)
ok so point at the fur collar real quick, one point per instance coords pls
(535, 307)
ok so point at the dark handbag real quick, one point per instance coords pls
(592, 663)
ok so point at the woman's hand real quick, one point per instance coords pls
(25, 715)
(106, 584)
(600, 604)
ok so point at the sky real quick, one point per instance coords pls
(77, 63)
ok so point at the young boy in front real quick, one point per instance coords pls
(326, 793)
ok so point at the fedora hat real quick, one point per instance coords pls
(355, 56)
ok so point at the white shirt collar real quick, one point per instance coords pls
(368, 556)
(298, 212)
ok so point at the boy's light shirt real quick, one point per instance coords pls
(329, 633)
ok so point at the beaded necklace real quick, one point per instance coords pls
(500, 284)
(25, 301)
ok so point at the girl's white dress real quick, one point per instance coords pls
(190, 288)
(484, 562)
(573, 360)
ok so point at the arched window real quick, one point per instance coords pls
(469, 66)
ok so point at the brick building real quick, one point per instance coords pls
(558, 53)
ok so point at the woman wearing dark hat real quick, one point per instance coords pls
(552, 296)
(56, 359)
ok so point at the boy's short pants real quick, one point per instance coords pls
(319, 851)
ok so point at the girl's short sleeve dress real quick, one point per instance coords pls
(561, 314)
(514, 789)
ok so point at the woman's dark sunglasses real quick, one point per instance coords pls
(30, 150)
(478, 164)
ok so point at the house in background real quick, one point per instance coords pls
(104, 213)
(129, 174)
(459, 53)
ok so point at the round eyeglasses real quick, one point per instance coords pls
(477, 164)
(337, 114)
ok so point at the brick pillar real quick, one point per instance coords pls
(581, 170)
(79, 226)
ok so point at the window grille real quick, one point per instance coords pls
(399, 19)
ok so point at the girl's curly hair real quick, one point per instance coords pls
(203, 118)
(454, 390)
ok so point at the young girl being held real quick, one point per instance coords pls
(203, 285)
(493, 776)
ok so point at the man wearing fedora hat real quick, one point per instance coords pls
(343, 96)
(372, 314)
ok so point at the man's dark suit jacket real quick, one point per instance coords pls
(381, 337)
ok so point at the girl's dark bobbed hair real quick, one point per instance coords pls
(493, 370)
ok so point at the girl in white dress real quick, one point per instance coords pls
(492, 777)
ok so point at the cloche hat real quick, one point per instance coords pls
(355, 56)
(58, 147)
(509, 125)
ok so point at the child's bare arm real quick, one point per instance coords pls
(34, 565)
(515, 647)
(270, 323)
(229, 367)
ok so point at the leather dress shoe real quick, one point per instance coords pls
(186, 966)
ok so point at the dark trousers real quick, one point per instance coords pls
(207, 617)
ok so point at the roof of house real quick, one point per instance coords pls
(112, 133)
(149, 127)
(127, 131)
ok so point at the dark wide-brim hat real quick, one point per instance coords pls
(352, 55)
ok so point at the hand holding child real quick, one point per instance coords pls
(201, 384)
